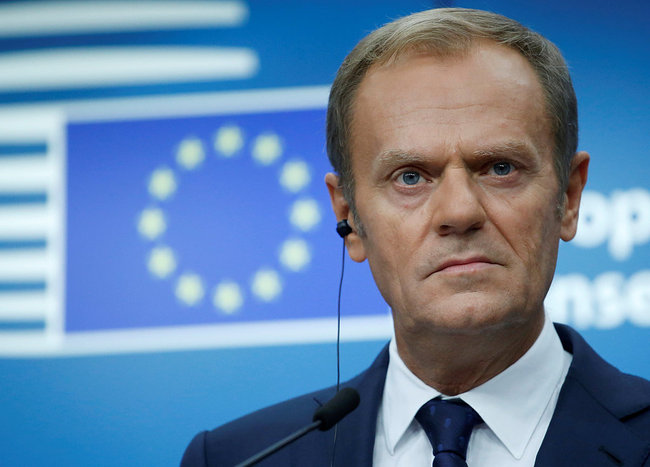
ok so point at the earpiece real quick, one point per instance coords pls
(343, 228)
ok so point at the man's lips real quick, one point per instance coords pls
(460, 265)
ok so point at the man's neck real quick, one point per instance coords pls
(454, 363)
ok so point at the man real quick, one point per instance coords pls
(453, 134)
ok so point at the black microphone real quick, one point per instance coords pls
(332, 412)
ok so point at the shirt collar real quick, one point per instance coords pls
(511, 403)
(404, 394)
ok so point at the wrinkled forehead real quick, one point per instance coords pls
(447, 80)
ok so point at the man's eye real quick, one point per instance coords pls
(410, 178)
(502, 168)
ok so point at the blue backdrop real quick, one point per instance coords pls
(168, 260)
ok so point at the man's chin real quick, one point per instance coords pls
(468, 318)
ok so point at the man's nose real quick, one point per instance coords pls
(456, 203)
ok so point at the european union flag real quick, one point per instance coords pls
(201, 219)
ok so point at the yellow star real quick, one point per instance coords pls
(151, 223)
(189, 289)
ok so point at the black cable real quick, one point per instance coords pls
(338, 323)
(338, 343)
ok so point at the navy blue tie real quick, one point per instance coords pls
(448, 425)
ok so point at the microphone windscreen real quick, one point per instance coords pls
(344, 402)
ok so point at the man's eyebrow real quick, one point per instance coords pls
(505, 148)
(398, 157)
(394, 157)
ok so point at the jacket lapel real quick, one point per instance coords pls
(587, 427)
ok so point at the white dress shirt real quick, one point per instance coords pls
(516, 406)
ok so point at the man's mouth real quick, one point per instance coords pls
(464, 265)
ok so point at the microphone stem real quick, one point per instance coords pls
(279, 445)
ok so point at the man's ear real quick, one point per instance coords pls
(577, 181)
(353, 241)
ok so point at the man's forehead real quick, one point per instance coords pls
(445, 76)
(490, 73)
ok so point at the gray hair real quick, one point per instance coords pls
(446, 32)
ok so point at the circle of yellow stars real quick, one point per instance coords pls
(294, 254)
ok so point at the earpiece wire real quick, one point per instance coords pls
(338, 344)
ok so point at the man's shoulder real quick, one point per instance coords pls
(626, 397)
(235, 441)
(243, 437)
(602, 414)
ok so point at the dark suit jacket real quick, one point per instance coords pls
(602, 418)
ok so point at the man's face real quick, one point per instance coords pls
(453, 165)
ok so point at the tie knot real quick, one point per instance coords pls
(448, 425)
